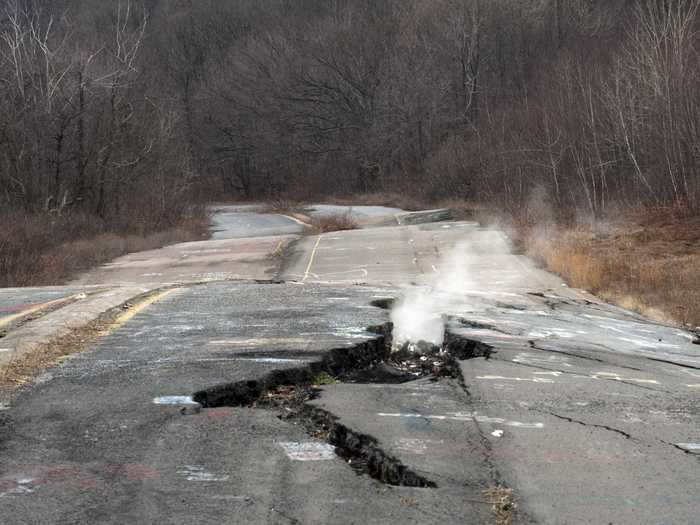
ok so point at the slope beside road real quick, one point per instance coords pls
(557, 409)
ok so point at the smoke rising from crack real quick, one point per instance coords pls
(459, 280)
(419, 314)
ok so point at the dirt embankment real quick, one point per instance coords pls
(647, 261)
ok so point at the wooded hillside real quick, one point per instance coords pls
(127, 110)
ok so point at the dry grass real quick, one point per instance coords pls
(392, 200)
(283, 206)
(333, 223)
(463, 209)
(316, 225)
(647, 262)
(20, 369)
(40, 250)
(502, 503)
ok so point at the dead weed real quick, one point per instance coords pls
(333, 223)
(646, 265)
(502, 503)
(21, 368)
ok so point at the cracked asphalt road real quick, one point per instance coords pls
(588, 412)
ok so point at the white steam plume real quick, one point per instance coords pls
(419, 314)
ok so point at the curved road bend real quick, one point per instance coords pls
(588, 412)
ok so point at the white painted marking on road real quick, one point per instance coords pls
(462, 416)
(648, 343)
(5, 349)
(266, 360)
(174, 400)
(693, 386)
(434, 268)
(364, 272)
(416, 446)
(693, 448)
(228, 497)
(537, 359)
(197, 473)
(497, 433)
(531, 380)
(308, 450)
(259, 341)
(500, 420)
(552, 373)
(617, 377)
(22, 486)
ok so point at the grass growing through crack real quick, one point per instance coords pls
(324, 379)
(502, 503)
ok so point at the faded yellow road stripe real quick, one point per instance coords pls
(311, 259)
(298, 221)
(14, 317)
(278, 249)
(135, 309)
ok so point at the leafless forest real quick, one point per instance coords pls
(124, 113)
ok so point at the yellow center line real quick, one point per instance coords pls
(11, 318)
(136, 308)
(277, 249)
(311, 259)
(298, 221)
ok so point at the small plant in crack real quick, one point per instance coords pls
(324, 378)
(286, 398)
(502, 503)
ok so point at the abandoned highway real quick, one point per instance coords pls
(250, 378)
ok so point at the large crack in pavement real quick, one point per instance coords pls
(288, 390)
(666, 361)
(626, 435)
(583, 423)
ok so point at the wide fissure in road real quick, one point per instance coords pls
(235, 401)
